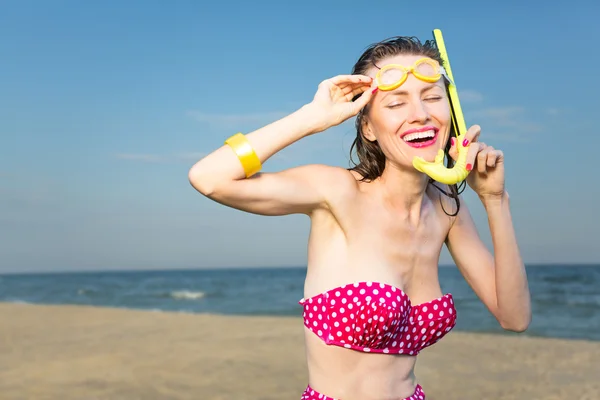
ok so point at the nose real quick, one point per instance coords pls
(418, 112)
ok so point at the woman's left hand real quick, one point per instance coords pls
(486, 165)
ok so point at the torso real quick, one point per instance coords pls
(362, 238)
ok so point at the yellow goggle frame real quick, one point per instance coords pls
(437, 69)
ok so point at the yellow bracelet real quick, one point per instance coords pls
(246, 154)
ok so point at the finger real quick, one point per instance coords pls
(482, 157)
(500, 157)
(339, 79)
(348, 88)
(352, 90)
(471, 155)
(364, 98)
(494, 158)
(339, 82)
(453, 153)
(355, 93)
(491, 159)
(472, 135)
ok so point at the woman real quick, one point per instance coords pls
(372, 295)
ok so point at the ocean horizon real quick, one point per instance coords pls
(565, 298)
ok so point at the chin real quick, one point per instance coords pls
(427, 153)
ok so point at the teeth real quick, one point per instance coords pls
(419, 135)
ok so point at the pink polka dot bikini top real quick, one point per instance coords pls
(377, 318)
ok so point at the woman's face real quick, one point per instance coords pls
(411, 120)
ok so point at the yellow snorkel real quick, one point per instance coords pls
(436, 169)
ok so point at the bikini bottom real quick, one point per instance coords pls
(311, 394)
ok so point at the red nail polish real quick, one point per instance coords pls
(469, 167)
(465, 142)
(374, 90)
(452, 141)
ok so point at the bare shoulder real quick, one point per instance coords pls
(325, 172)
(332, 181)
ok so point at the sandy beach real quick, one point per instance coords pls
(72, 352)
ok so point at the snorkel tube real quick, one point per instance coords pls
(436, 169)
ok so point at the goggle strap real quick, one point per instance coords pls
(443, 71)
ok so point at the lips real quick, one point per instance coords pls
(420, 137)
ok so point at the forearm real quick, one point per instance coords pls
(512, 290)
(223, 165)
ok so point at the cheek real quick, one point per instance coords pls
(391, 120)
(441, 112)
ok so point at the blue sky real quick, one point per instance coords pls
(104, 106)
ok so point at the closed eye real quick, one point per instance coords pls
(395, 105)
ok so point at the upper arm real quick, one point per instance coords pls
(298, 190)
(473, 259)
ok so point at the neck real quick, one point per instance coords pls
(404, 189)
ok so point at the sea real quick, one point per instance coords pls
(565, 298)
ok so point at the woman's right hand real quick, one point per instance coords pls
(333, 103)
(220, 176)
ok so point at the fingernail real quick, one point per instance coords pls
(465, 142)
(469, 167)
(374, 90)
(452, 141)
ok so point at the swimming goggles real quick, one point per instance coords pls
(392, 76)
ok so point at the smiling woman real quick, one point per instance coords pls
(425, 108)
(372, 298)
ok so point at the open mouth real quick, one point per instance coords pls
(421, 138)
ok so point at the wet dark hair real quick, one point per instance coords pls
(370, 156)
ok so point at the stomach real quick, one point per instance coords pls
(354, 375)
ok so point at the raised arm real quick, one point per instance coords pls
(221, 177)
(499, 279)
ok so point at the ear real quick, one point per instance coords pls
(367, 130)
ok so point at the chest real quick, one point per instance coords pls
(382, 226)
